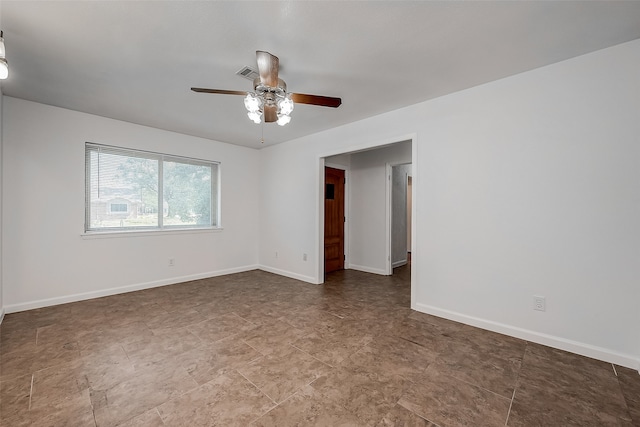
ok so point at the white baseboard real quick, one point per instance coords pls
(399, 263)
(13, 308)
(583, 349)
(289, 274)
(368, 269)
(1, 315)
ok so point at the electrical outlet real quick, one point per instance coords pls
(539, 303)
(172, 262)
(276, 254)
(304, 257)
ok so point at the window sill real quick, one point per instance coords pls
(89, 235)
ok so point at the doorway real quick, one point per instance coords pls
(366, 242)
(399, 211)
(334, 219)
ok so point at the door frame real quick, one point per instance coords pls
(319, 226)
(389, 212)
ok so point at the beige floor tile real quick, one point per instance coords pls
(74, 411)
(175, 319)
(629, 382)
(20, 340)
(308, 408)
(267, 338)
(94, 340)
(143, 391)
(311, 319)
(220, 327)
(533, 406)
(57, 383)
(399, 416)
(392, 355)
(365, 393)
(19, 363)
(151, 418)
(446, 401)
(589, 381)
(211, 360)
(423, 334)
(333, 345)
(225, 401)
(488, 371)
(107, 367)
(163, 344)
(15, 396)
(490, 343)
(282, 373)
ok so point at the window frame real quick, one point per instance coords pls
(161, 158)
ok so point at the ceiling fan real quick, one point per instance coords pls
(270, 97)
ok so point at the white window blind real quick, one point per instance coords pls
(139, 190)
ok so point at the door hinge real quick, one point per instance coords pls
(344, 218)
(345, 180)
(344, 257)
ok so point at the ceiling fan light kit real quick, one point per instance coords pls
(270, 101)
(269, 98)
(4, 65)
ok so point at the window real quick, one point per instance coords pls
(139, 190)
(118, 207)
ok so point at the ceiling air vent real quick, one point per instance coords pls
(248, 73)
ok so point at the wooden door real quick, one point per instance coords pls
(333, 219)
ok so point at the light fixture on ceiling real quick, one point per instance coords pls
(4, 66)
(269, 101)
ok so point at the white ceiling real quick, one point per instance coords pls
(136, 61)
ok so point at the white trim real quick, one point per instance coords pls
(320, 223)
(388, 170)
(289, 274)
(414, 227)
(399, 263)
(368, 145)
(13, 308)
(1, 315)
(147, 233)
(389, 206)
(576, 347)
(336, 166)
(365, 269)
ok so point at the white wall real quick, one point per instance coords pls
(47, 261)
(368, 221)
(525, 186)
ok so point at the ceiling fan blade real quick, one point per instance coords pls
(267, 68)
(323, 101)
(220, 91)
(270, 113)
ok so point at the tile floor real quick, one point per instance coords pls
(256, 349)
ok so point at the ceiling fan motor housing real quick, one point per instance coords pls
(271, 95)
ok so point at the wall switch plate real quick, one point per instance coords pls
(304, 257)
(172, 262)
(539, 303)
